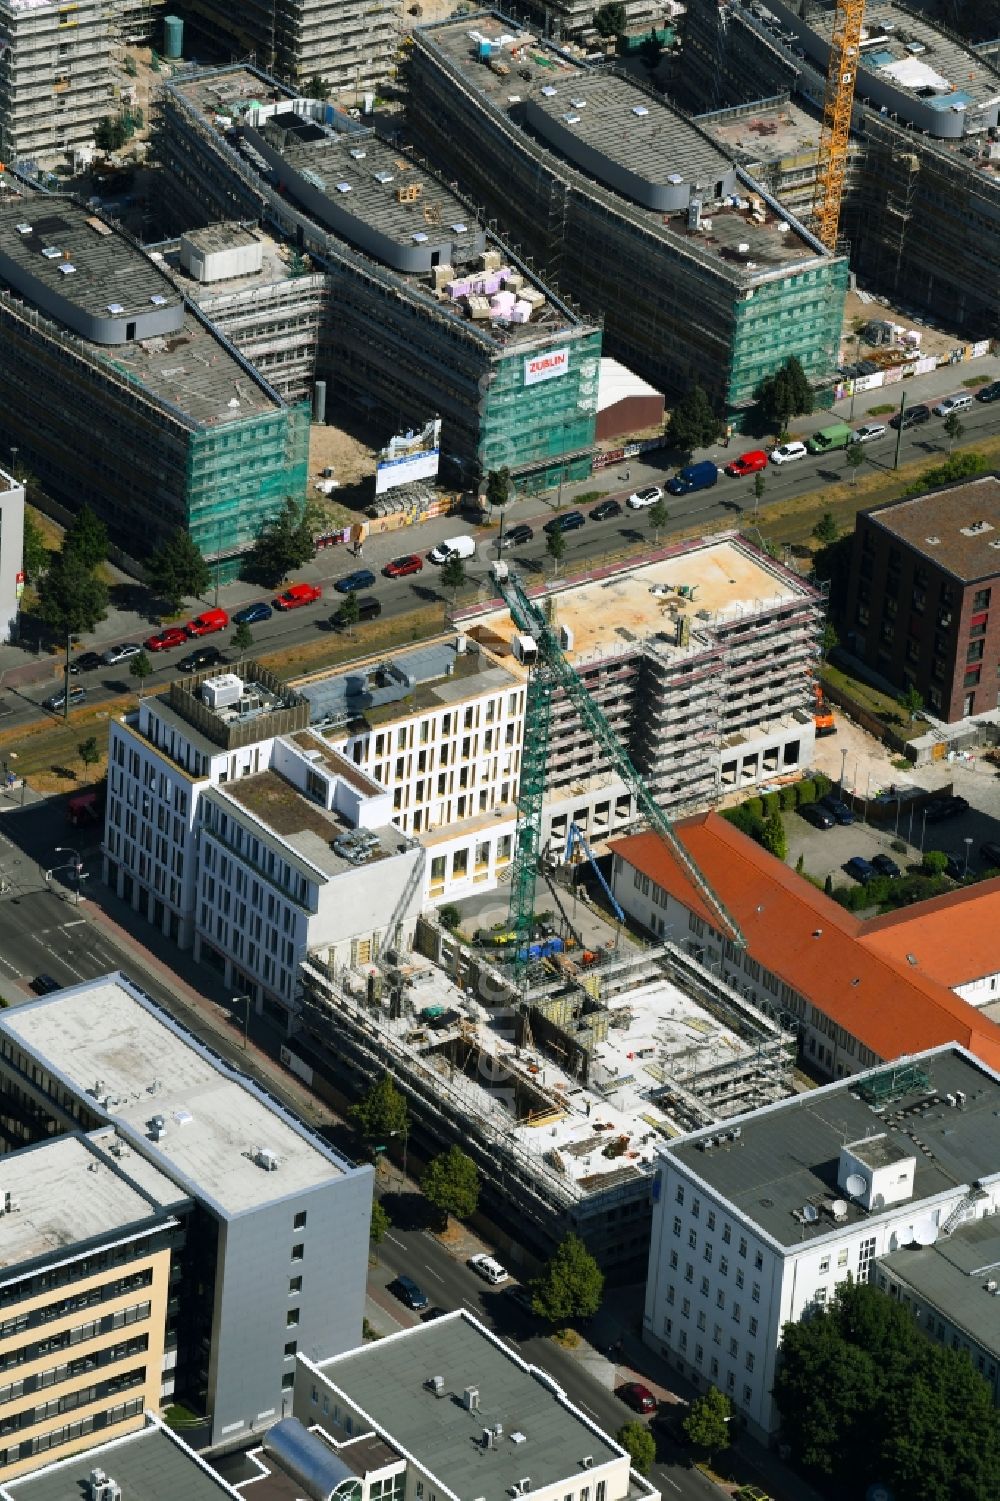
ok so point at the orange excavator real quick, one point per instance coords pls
(822, 713)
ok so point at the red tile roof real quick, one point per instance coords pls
(954, 938)
(815, 946)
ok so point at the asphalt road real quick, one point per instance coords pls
(731, 499)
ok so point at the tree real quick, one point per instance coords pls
(86, 538)
(451, 1184)
(609, 20)
(382, 1112)
(826, 528)
(453, 576)
(381, 1223)
(912, 700)
(954, 427)
(693, 424)
(571, 1286)
(283, 544)
(70, 600)
(449, 916)
(243, 635)
(707, 1422)
(784, 393)
(177, 570)
(318, 87)
(639, 1444)
(935, 862)
(658, 518)
(855, 455)
(89, 751)
(555, 546)
(498, 494)
(828, 640)
(957, 466)
(773, 837)
(36, 554)
(140, 667)
(110, 133)
(759, 486)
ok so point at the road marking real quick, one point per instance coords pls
(433, 1273)
(396, 1242)
(78, 922)
(469, 1304)
(671, 1482)
(593, 1414)
(15, 972)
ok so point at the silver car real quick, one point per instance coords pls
(870, 433)
(116, 654)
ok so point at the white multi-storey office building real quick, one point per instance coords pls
(757, 1222)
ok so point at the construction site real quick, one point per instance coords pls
(426, 312)
(117, 393)
(701, 274)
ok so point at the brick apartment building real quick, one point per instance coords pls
(923, 601)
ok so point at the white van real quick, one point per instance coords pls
(453, 547)
(960, 403)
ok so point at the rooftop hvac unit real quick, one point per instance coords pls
(267, 1159)
(436, 1385)
(158, 1127)
(222, 692)
(102, 1488)
(470, 1397)
(525, 650)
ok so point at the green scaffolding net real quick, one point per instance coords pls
(239, 473)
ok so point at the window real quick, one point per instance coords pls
(723, 1266)
(842, 1257)
(288, 1381)
(749, 1362)
(974, 651)
(673, 1261)
(677, 1224)
(708, 1252)
(294, 1285)
(299, 1222)
(824, 1266)
(292, 1317)
(298, 1252)
(695, 1208)
(739, 1276)
(720, 1299)
(753, 1326)
(727, 1234)
(734, 1348)
(981, 599)
(688, 1272)
(680, 1195)
(701, 1322)
(290, 1349)
(670, 1295)
(686, 1308)
(758, 1261)
(704, 1287)
(737, 1313)
(756, 1292)
(693, 1239)
(743, 1245)
(711, 1219)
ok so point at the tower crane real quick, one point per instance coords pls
(838, 101)
(549, 673)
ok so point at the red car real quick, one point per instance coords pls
(174, 635)
(638, 1397)
(298, 594)
(207, 622)
(400, 567)
(748, 463)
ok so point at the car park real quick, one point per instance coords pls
(990, 392)
(297, 595)
(859, 869)
(638, 1397)
(87, 661)
(885, 865)
(605, 510)
(817, 815)
(407, 1291)
(116, 654)
(869, 432)
(401, 568)
(251, 614)
(351, 583)
(489, 1269)
(639, 500)
(58, 700)
(516, 536)
(961, 402)
(786, 453)
(172, 636)
(941, 808)
(911, 417)
(751, 462)
(369, 608)
(842, 812)
(569, 521)
(202, 656)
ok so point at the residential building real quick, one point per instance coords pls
(86, 1282)
(11, 554)
(918, 607)
(349, 45)
(276, 1239)
(489, 1422)
(858, 993)
(427, 312)
(100, 342)
(754, 1227)
(247, 838)
(700, 273)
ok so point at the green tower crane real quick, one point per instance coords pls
(550, 672)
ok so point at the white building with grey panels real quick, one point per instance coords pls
(11, 554)
(756, 1224)
(150, 1465)
(277, 1246)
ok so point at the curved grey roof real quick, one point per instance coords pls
(307, 1459)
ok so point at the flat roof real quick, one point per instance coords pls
(958, 528)
(893, 35)
(139, 1064)
(787, 1154)
(149, 1465)
(63, 1195)
(773, 130)
(952, 1275)
(387, 1380)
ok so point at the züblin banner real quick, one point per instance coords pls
(545, 366)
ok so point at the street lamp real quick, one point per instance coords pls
(967, 841)
(843, 768)
(246, 1016)
(75, 865)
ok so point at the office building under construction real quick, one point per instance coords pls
(700, 273)
(427, 313)
(117, 393)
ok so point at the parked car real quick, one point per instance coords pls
(989, 853)
(817, 815)
(522, 1296)
(990, 392)
(605, 510)
(569, 521)
(207, 622)
(174, 635)
(515, 536)
(116, 654)
(434, 1312)
(351, 583)
(251, 614)
(401, 568)
(747, 463)
(787, 452)
(940, 808)
(463, 546)
(638, 1397)
(369, 608)
(407, 1291)
(87, 661)
(885, 865)
(640, 499)
(202, 656)
(842, 812)
(961, 402)
(44, 985)
(859, 869)
(58, 700)
(297, 595)
(912, 417)
(489, 1269)
(869, 432)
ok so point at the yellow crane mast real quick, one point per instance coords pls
(841, 73)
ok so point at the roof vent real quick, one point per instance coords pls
(470, 1399)
(67, 268)
(517, 1437)
(383, 177)
(587, 1462)
(435, 1384)
(358, 154)
(115, 308)
(158, 299)
(548, 91)
(933, 541)
(23, 229)
(639, 109)
(974, 528)
(459, 228)
(266, 1158)
(572, 119)
(101, 1487)
(51, 253)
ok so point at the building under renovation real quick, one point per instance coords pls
(427, 313)
(119, 394)
(559, 1093)
(348, 43)
(700, 273)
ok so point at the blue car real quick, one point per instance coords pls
(841, 811)
(250, 614)
(407, 1291)
(361, 578)
(860, 870)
